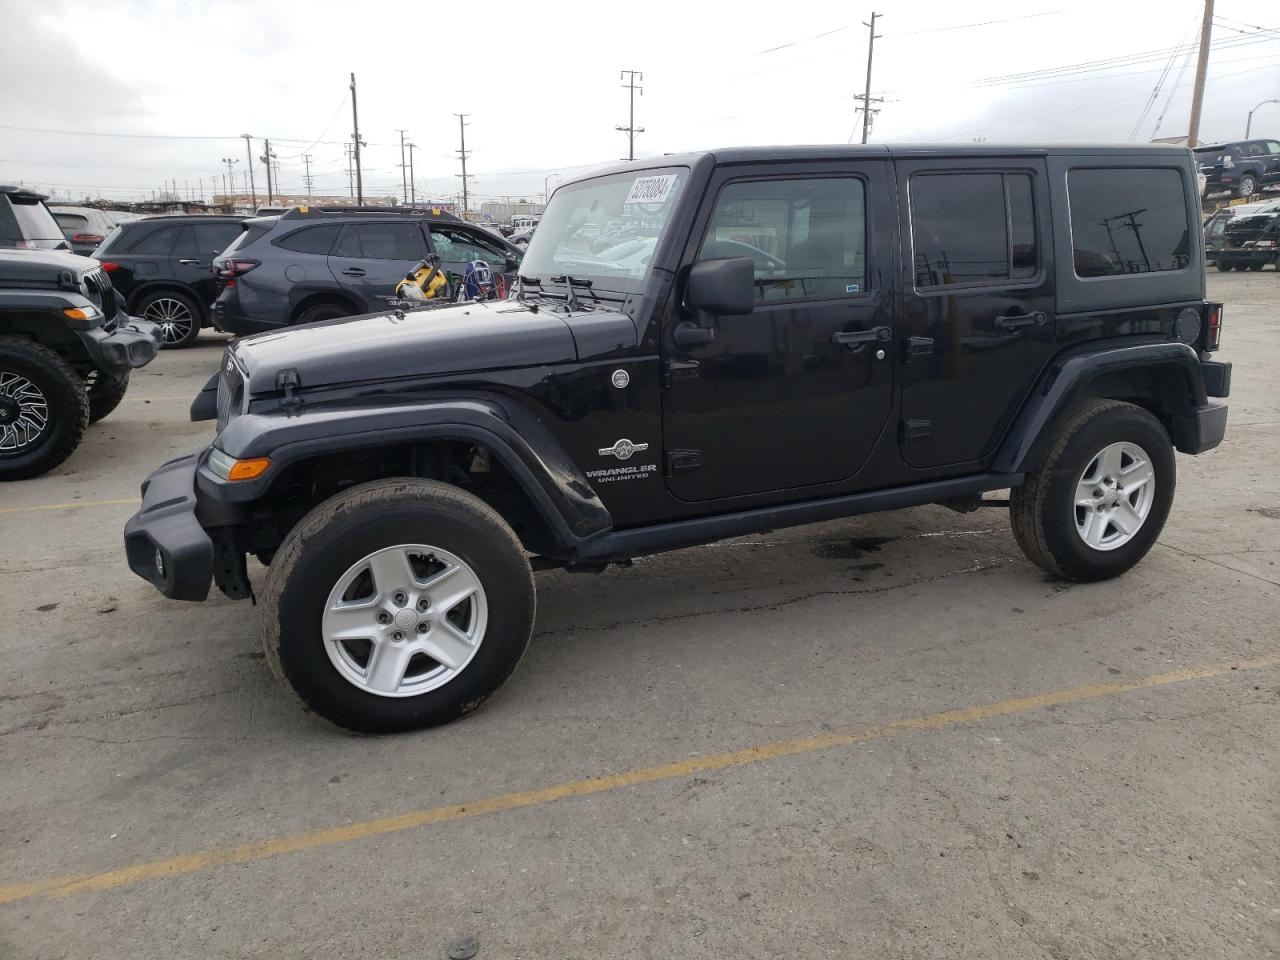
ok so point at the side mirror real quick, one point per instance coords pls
(721, 288)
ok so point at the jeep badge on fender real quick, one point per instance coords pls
(794, 334)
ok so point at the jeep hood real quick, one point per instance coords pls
(464, 338)
(44, 269)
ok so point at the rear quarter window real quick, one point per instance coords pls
(156, 243)
(318, 240)
(1126, 221)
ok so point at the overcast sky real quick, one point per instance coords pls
(540, 80)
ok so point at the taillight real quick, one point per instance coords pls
(86, 238)
(233, 268)
(1213, 326)
(110, 265)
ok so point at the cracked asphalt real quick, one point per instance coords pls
(1024, 791)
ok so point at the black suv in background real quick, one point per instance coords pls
(26, 223)
(161, 265)
(311, 264)
(1244, 168)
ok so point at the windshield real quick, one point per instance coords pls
(605, 230)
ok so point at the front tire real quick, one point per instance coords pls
(44, 409)
(1100, 499)
(1247, 186)
(398, 604)
(1223, 266)
(105, 393)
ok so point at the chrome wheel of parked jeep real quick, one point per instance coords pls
(174, 316)
(404, 620)
(1114, 496)
(24, 413)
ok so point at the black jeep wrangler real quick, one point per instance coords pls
(791, 335)
(66, 349)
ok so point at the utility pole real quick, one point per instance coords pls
(865, 97)
(413, 186)
(631, 129)
(1202, 68)
(351, 173)
(248, 149)
(404, 175)
(462, 155)
(355, 143)
(268, 158)
(306, 162)
(230, 175)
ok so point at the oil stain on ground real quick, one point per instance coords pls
(853, 549)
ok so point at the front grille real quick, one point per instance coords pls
(230, 391)
(97, 287)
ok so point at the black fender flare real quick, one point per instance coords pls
(1066, 380)
(511, 433)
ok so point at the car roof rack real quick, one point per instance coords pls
(430, 213)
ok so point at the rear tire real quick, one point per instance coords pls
(1256, 267)
(322, 311)
(44, 409)
(177, 313)
(1099, 458)
(105, 393)
(1223, 266)
(333, 611)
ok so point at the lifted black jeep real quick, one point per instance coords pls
(784, 336)
(66, 350)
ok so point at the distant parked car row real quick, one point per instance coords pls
(249, 275)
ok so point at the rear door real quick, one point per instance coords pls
(978, 302)
(369, 259)
(192, 256)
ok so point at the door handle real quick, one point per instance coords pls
(192, 263)
(353, 272)
(856, 338)
(1036, 319)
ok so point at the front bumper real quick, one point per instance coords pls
(134, 343)
(163, 541)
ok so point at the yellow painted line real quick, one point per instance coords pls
(264, 849)
(73, 505)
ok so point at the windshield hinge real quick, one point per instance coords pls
(288, 381)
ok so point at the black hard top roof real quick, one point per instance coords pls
(841, 151)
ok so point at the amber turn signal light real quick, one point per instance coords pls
(248, 469)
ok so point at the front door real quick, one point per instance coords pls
(978, 303)
(797, 392)
(369, 259)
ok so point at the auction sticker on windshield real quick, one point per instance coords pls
(651, 189)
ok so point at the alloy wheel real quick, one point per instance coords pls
(1114, 496)
(173, 316)
(404, 620)
(24, 413)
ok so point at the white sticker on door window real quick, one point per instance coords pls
(651, 189)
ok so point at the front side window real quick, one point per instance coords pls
(1131, 220)
(1273, 148)
(380, 241)
(456, 246)
(973, 228)
(807, 237)
(586, 222)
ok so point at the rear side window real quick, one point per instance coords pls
(806, 237)
(973, 228)
(156, 243)
(35, 222)
(310, 239)
(381, 241)
(1125, 221)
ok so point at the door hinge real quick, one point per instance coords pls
(915, 430)
(681, 370)
(681, 461)
(919, 347)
